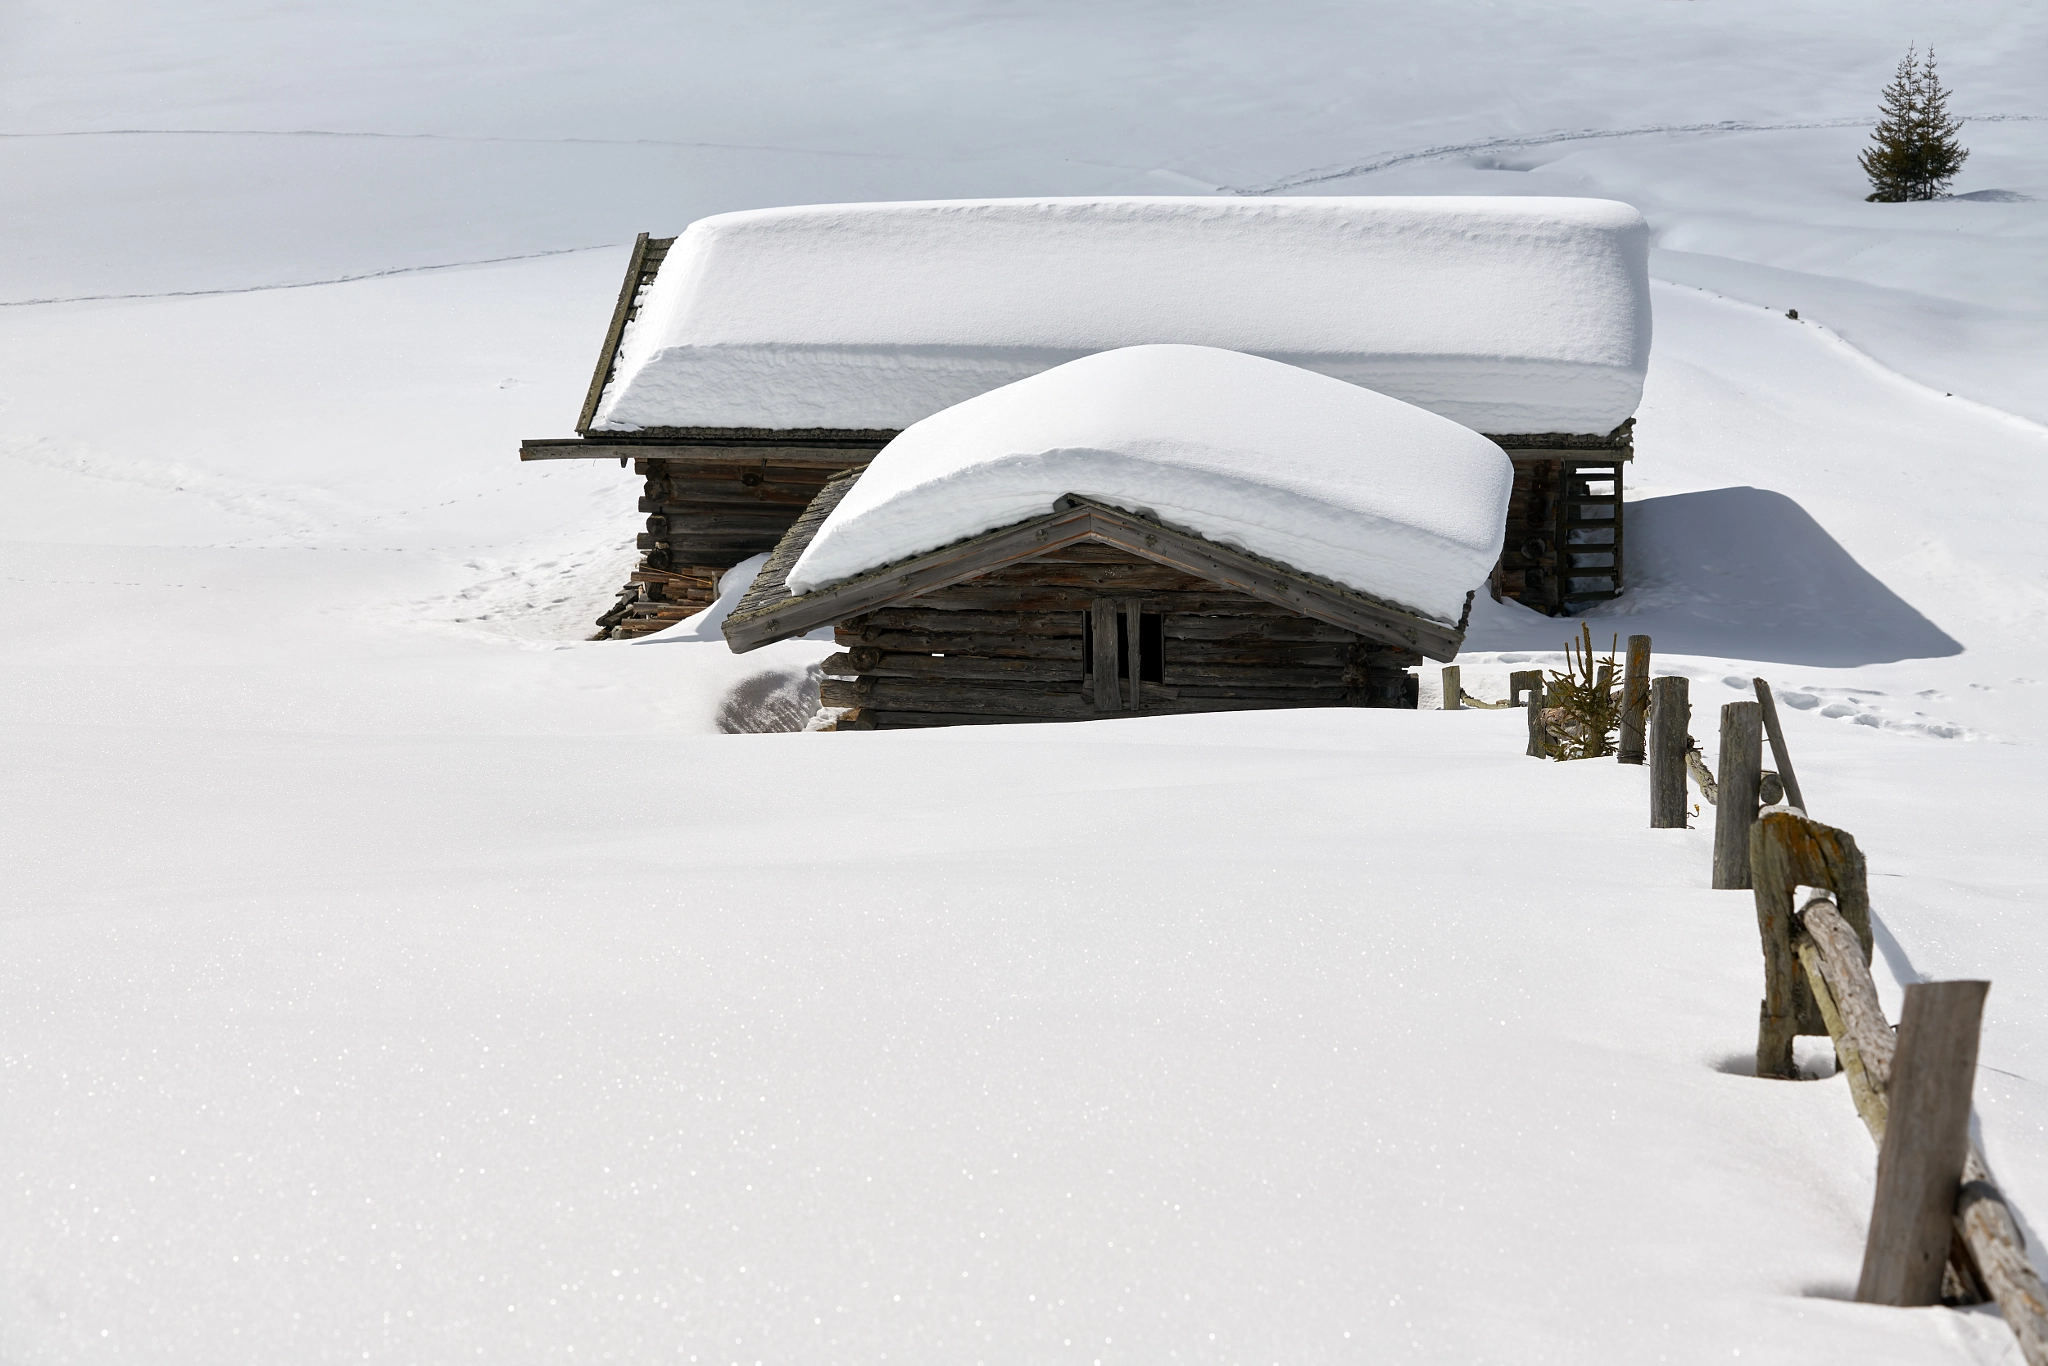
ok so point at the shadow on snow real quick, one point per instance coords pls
(1742, 573)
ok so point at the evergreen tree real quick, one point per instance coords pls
(1914, 152)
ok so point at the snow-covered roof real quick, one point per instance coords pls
(1323, 476)
(1503, 314)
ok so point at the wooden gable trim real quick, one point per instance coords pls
(769, 612)
(648, 254)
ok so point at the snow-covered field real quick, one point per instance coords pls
(391, 975)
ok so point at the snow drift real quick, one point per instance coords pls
(1504, 314)
(1323, 476)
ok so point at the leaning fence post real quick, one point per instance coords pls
(1670, 719)
(1926, 1140)
(1635, 700)
(1779, 754)
(1738, 778)
(1454, 689)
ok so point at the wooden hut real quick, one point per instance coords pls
(761, 352)
(1090, 608)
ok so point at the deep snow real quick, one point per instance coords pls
(1505, 314)
(1323, 476)
(388, 974)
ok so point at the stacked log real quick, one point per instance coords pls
(705, 513)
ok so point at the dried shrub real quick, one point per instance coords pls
(1582, 711)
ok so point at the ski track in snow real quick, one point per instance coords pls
(306, 284)
(1321, 174)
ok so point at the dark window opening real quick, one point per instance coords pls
(1151, 648)
(1151, 645)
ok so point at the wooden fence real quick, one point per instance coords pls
(1940, 1230)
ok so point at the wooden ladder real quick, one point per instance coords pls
(1588, 532)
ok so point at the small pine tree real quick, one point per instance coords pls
(1914, 152)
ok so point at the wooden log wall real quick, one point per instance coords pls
(1010, 646)
(704, 515)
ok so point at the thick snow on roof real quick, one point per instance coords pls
(1507, 315)
(1323, 476)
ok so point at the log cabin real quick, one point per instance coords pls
(1235, 534)
(752, 358)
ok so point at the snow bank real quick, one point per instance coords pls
(1506, 315)
(1323, 476)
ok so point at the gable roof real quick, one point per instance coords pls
(769, 612)
(1505, 314)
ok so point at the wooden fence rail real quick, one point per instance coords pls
(1940, 1229)
(1987, 1256)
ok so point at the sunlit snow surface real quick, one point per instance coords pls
(1505, 314)
(1320, 475)
(388, 974)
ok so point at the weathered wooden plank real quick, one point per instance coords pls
(1780, 755)
(606, 446)
(1258, 652)
(729, 522)
(1180, 671)
(1926, 1142)
(1992, 1235)
(1102, 668)
(1454, 689)
(1095, 578)
(1253, 628)
(975, 597)
(609, 350)
(935, 622)
(890, 694)
(1297, 696)
(1670, 722)
(1839, 979)
(924, 720)
(782, 500)
(1635, 701)
(964, 643)
(1738, 775)
(872, 663)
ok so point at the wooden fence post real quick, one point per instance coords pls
(1787, 852)
(1520, 679)
(1670, 720)
(1537, 747)
(1635, 700)
(1738, 778)
(1926, 1140)
(1454, 689)
(1779, 754)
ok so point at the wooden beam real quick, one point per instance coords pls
(1102, 619)
(609, 352)
(1779, 754)
(607, 447)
